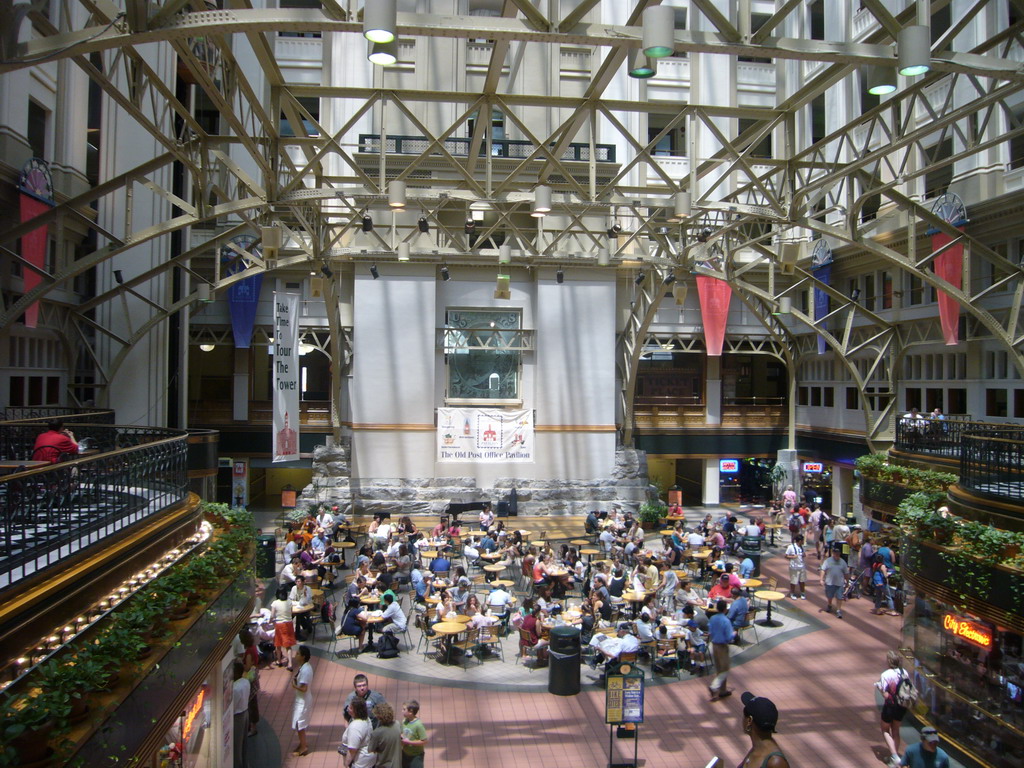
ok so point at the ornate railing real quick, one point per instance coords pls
(17, 439)
(937, 437)
(51, 512)
(44, 413)
(516, 149)
(992, 463)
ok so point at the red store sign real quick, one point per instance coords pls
(971, 631)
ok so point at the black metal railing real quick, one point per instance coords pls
(515, 149)
(992, 463)
(51, 512)
(937, 437)
(17, 439)
(44, 413)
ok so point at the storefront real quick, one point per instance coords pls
(970, 674)
(816, 483)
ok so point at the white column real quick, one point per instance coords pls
(713, 393)
(711, 493)
(842, 489)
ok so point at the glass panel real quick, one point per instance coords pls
(482, 374)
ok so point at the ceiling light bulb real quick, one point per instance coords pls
(396, 194)
(383, 54)
(403, 251)
(914, 48)
(641, 67)
(659, 31)
(380, 19)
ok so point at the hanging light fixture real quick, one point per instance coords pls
(207, 347)
(639, 278)
(559, 276)
(504, 253)
(881, 80)
(403, 251)
(374, 272)
(383, 54)
(785, 306)
(541, 201)
(659, 36)
(327, 271)
(396, 194)
(669, 278)
(423, 224)
(380, 18)
(914, 48)
(444, 273)
(603, 257)
(681, 205)
(641, 67)
(367, 223)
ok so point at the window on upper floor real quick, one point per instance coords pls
(312, 105)
(941, 19)
(757, 20)
(38, 119)
(937, 179)
(1015, 118)
(818, 125)
(816, 15)
(673, 141)
(995, 403)
(761, 148)
(483, 355)
(852, 399)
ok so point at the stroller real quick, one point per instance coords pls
(852, 588)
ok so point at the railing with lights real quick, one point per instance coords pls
(50, 512)
(516, 149)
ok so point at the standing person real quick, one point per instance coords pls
(880, 582)
(721, 634)
(386, 739)
(251, 667)
(303, 701)
(284, 629)
(840, 537)
(414, 736)
(355, 742)
(361, 691)
(789, 500)
(760, 716)
(240, 691)
(927, 753)
(833, 576)
(301, 596)
(892, 713)
(797, 570)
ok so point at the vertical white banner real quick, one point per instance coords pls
(286, 377)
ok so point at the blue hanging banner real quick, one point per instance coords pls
(243, 296)
(821, 268)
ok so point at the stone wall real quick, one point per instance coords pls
(627, 487)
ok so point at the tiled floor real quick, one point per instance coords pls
(818, 669)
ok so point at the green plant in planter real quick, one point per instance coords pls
(872, 465)
(201, 572)
(216, 509)
(919, 515)
(240, 516)
(76, 675)
(651, 513)
(28, 722)
(991, 545)
(119, 642)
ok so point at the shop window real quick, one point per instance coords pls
(852, 399)
(482, 355)
(995, 402)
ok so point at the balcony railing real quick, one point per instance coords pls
(937, 437)
(992, 463)
(17, 439)
(515, 149)
(51, 512)
(662, 413)
(43, 413)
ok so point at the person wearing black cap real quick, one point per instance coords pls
(760, 716)
(927, 753)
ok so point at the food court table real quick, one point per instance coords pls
(751, 583)
(580, 542)
(769, 596)
(448, 629)
(343, 545)
(772, 527)
(503, 583)
(371, 620)
(635, 599)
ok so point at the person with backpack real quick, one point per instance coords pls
(898, 693)
(795, 522)
(797, 569)
(880, 583)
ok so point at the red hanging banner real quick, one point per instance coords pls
(714, 310)
(33, 250)
(949, 266)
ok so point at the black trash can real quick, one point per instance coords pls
(564, 661)
(266, 556)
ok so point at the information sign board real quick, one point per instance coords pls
(624, 697)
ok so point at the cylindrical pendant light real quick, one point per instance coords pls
(380, 17)
(642, 67)
(541, 200)
(603, 257)
(403, 251)
(504, 254)
(914, 46)
(384, 54)
(683, 206)
(396, 194)
(881, 80)
(659, 31)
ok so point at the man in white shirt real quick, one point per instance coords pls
(694, 540)
(607, 539)
(326, 521)
(613, 648)
(240, 690)
(290, 571)
(498, 599)
(471, 551)
(392, 620)
(797, 571)
(301, 598)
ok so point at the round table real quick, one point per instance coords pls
(525, 534)
(750, 583)
(495, 568)
(490, 556)
(448, 629)
(635, 599)
(431, 553)
(580, 542)
(667, 532)
(370, 600)
(769, 596)
(461, 619)
(772, 528)
(432, 600)
(370, 621)
(590, 552)
(538, 543)
(503, 583)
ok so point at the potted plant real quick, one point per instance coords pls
(28, 722)
(119, 642)
(919, 515)
(651, 515)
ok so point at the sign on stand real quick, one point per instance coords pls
(624, 706)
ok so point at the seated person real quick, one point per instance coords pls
(471, 551)
(56, 440)
(441, 563)
(734, 578)
(645, 628)
(530, 636)
(720, 591)
(499, 599)
(590, 525)
(422, 582)
(738, 610)
(694, 619)
(746, 568)
(689, 594)
(392, 620)
(289, 572)
(348, 623)
(695, 540)
(438, 530)
(460, 593)
(613, 648)
(487, 543)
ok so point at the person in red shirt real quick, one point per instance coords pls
(53, 442)
(720, 591)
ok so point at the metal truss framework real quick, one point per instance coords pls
(751, 204)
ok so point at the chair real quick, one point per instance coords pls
(490, 638)
(333, 647)
(526, 649)
(650, 648)
(667, 651)
(749, 626)
(409, 619)
(466, 645)
(423, 621)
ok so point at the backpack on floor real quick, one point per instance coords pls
(387, 646)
